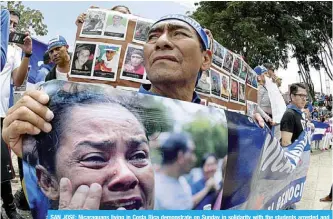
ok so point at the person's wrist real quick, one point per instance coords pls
(27, 54)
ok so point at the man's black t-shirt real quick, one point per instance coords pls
(292, 122)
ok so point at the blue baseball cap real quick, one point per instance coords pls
(194, 24)
(259, 70)
(56, 42)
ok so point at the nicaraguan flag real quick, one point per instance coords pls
(320, 129)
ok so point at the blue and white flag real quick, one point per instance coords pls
(320, 129)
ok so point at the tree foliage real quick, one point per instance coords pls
(265, 31)
(29, 18)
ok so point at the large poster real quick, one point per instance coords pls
(157, 154)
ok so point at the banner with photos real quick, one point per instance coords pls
(161, 141)
(109, 48)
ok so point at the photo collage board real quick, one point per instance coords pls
(228, 80)
(109, 49)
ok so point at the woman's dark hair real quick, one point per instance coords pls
(121, 6)
(205, 157)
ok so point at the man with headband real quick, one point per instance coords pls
(176, 53)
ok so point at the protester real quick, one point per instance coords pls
(14, 70)
(4, 36)
(293, 121)
(263, 99)
(327, 198)
(178, 158)
(173, 65)
(204, 191)
(58, 52)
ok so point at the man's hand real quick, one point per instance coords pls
(84, 198)
(80, 19)
(28, 116)
(27, 46)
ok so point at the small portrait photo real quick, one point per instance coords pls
(218, 54)
(107, 61)
(254, 82)
(93, 24)
(249, 77)
(133, 66)
(216, 83)
(83, 57)
(225, 90)
(203, 85)
(141, 31)
(234, 90)
(241, 93)
(236, 66)
(116, 26)
(243, 72)
(228, 61)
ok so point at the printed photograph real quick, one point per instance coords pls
(228, 61)
(244, 70)
(141, 31)
(225, 90)
(218, 54)
(116, 26)
(203, 85)
(234, 90)
(107, 61)
(241, 93)
(125, 142)
(93, 24)
(133, 67)
(83, 57)
(236, 66)
(216, 83)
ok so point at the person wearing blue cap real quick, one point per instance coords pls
(58, 52)
(263, 99)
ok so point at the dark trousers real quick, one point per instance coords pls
(7, 194)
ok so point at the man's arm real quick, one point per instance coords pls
(286, 138)
(20, 73)
(287, 128)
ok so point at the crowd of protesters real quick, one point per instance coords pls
(203, 188)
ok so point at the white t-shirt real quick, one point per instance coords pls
(14, 58)
(61, 75)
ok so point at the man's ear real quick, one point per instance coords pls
(180, 157)
(206, 60)
(47, 182)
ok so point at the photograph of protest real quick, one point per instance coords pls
(236, 66)
(228, 61)
(251, 78)
(243, 71)
(218, 54)
(215, 83)
(116, 26)
(82, 59)
(133, 68)
(225, 89)
(234, 90)
(148, 135)
(241, 93)
(203, 85)
(141, 31)
(93, 24)
(106, 61)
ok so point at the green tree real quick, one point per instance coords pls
(29, 18)
(266, 31)
(208, 137)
